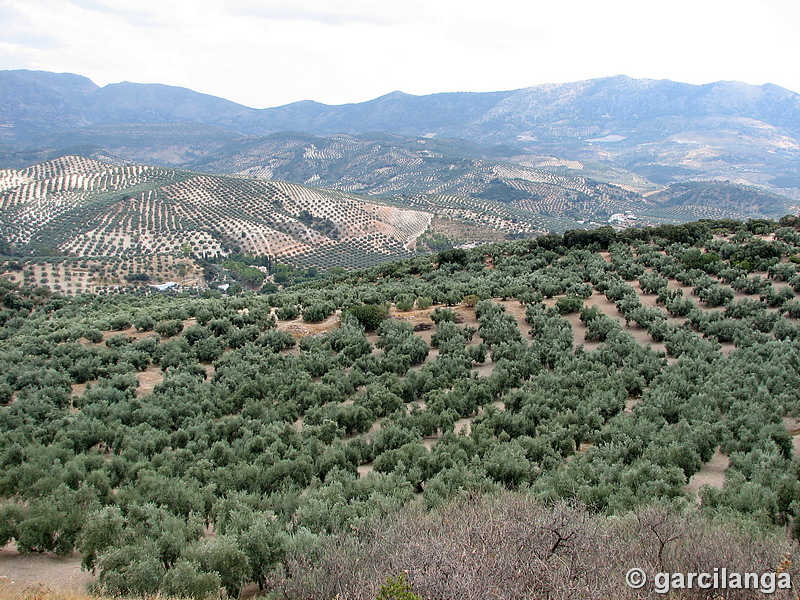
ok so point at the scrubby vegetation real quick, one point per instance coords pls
(527, 417)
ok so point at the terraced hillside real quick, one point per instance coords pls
(83, 207)
(723, 197)
(75, 275)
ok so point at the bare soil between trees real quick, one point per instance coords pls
(39, 571)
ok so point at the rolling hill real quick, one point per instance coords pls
(83, 207)
(392, 165)
(79, 224)
(385, 164)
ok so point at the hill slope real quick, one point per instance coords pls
(384, 164)
(547, 413)
(85, 207)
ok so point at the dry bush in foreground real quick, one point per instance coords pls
(513, 548)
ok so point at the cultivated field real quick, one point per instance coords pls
(80, 207)
(657, 375)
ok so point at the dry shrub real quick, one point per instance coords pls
(512, 547)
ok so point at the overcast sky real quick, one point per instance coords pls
(272, 52)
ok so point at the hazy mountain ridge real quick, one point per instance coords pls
(51, 101)
(640, 134)
(471, 115)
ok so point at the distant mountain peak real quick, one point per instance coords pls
(395, 94)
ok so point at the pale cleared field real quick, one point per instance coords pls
(71, 275)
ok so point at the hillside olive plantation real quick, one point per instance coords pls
(527, 419)
(74, 206)
(76, 225)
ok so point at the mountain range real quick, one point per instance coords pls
(639, 133)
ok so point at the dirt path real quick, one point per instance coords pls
(364, 469)
(33, 570)
(148, 380)
(298, 328)
(712, 473)
(792, 425)
(484, 369)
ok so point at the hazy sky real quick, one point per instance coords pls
(336, 51)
